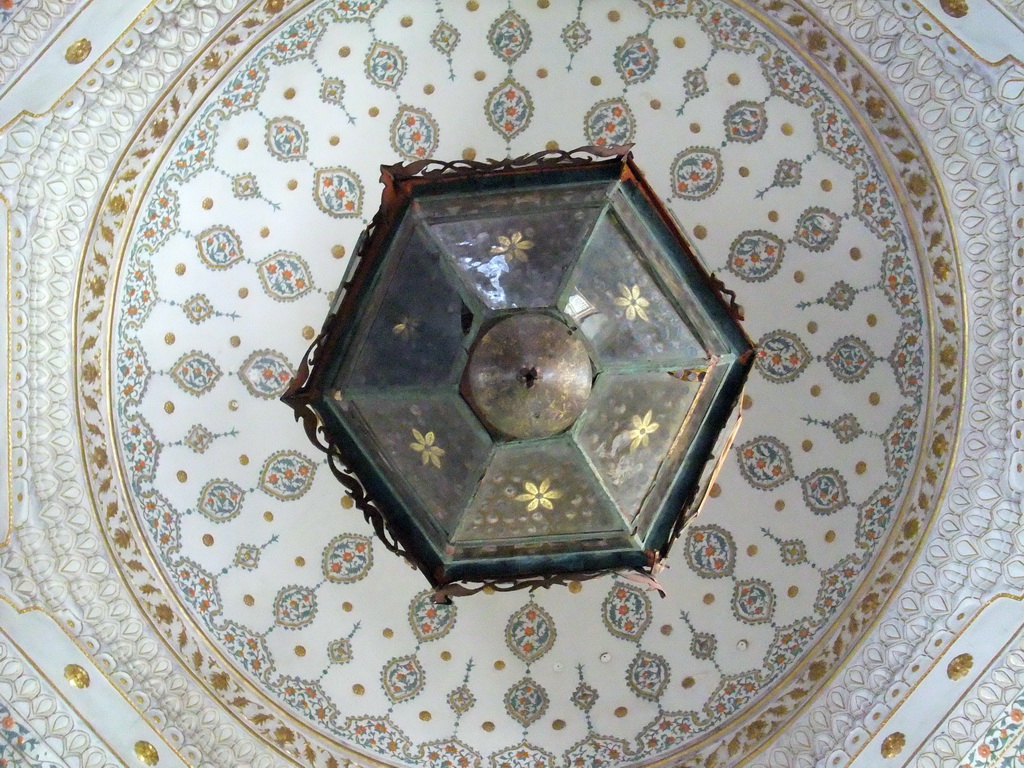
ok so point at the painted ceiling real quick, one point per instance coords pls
(181, 578)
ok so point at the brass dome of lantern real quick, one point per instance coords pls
(527, 376)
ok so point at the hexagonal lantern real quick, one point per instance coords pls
(527, 376)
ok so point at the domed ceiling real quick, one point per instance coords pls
(179, 222)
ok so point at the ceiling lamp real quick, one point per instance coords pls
(526, 376)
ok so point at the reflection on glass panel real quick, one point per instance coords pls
(416, 336)
(517, 260)
(433, 443)
(629, 428)
(634, 322)
(538, 489)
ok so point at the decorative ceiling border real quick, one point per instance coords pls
(983, 330)
(82, 595)
(969, 123)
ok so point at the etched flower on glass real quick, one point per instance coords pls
(635, 304)
(641, 429)
(514, 247)
(539, 495)
(424, 446)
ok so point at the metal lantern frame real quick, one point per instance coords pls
(612, 189)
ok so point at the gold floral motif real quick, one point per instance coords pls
(635, 304)
(78, 51)
(539, 496)
(424, 446)
(960, 666)
(641, 429)
(146, 753)
(406, 327)
(76, 676)
(514, 247)
(893, 744)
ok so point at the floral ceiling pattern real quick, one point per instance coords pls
(222, 231)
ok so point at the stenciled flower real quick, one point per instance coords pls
(539, 496)
(406, 327)
(635, 304)
(641, 429)
(424, 446)
(514, 247)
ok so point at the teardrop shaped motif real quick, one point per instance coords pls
(817, 229)
(696, 173)
(348, 558)
(781, 356)
(294, 607)
(385, 65)
(219, 247)
(710, 551)
(509, 109)
(526, 701)
(196, 373)
(266, 374)
(402, 678)
(287, 475)
(850, 359)
(825, 491)
(765, 462)
(338, 192)
(285, 276)
(509, 37)
(626, 611)
(430, 620)
(287, 138)
(609, 122)
(220, 500)
(530, 632)
(648, 675)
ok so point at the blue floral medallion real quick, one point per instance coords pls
(817, 229)
(824, 491)
(648, 675)
(526, 701)
(745, 121)
(287, 475)
(636, 59)
(609, 122)
(219, 247)
(710, 551)
(385, 65)
(287, 138)
(295, 607)
(530, 632)
(509, 109)
(753, 601)
(348, 558)
(266, 374)
(430, 620)
(755, 255)
(196, 373)
(696, 173)
(220, 500)
(414, 133)
(764, 462)
(338, 192)
(781, 356)
(509, 37)
(850, 359)
(626, 611)
(285, 276)
(402, 678)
